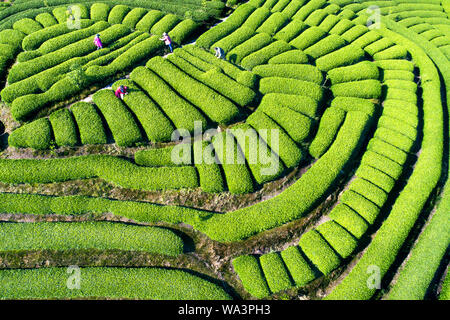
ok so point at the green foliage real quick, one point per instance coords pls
(27, 26)
(232, 40)
(305, 105)
(64, 128)
(89, 235)
(149, 20)
(398, 75)
(367, 89)
(109, 282)
(256, 19)
(377, 177)
(249, 46)
(369, 191)
(100, 11)
(308, 38)
(290, 31)
(46, 19)
(328, 128)
(289, 152)
(291, 86)
(349, 219)
(241, 14)
(121, 122)
(379, 45)
(298, 267)
(231, 157)
(180, 112)
(251, 275)
(359, 71)
(395, 138)
(366, 39)
(303, 72)
(338, 238)
(36, 135)
(345, 56)
(117, 14)
(263, 162)
(213, 35)
(273, 24)
(89, 123)
(309, 8)
(297, 125)
(395, 64)
(319, 251)
(290, 57)
(275, 272)
(159, 157)
(342, 26)
(118, 171)
(133, 17)
(293, 7)
(394, 52)
(445, 291)
(167, 23)
(311, 187)
(216, 107)
(12, 37)
(354, 33)
(325, 46)
(155, 124)
(209, 172)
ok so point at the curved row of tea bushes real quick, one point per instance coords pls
(109, 282)
(88, 235)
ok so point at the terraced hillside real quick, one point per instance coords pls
(311, 161)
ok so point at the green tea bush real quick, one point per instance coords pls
(89, 123)
(329, 125)
(155, 124)
(12, 37)
(319, 252)
(308, 8)
(263, 162)
(316, 17)
(291, 30)
(280, 5)
(210, 175)
(406, 85)
(183, 30)
(398, 75)
(249, 46)
(338, 238)
(292, 8)
(50, 283)
(308, 38)
(117, 171)
(379, 45)
(34, 40)
(273, 24)
(296, 125)
(251, 275)
(349, 219)
(394, 52)
(397, 127)
(121, 122)
(299, 269)
(369, 191)
(291, 86)
(342, 57)
(100, 11)
(257, 18)
(36, 135)
(149, 20)
(241, 14)
(342, 26)
(167, 23)
(230, 156)
(64, 128)
(395, 138)
(46, 19)
(359, 71)
(329, 22)
(364, 207)
(289, 152)
(303, 72)
(382, 163)
(157, 157)
(117, 14)
(388, 150)
(275, 272)
(213, 35)
(354, 33)
(366, 39)
(367, 89)
(304, 105)
(27, 26)
(289, 57)
(394, 64)
(133, 17)
(325, 46)
(216, 107)
(233, 40)
(180, 112)
(89, 235)
(285, 207)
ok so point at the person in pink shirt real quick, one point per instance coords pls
(121, 91)
(98, 42)
(167, 41)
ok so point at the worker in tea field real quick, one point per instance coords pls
(98, 42)
(219, 52)
(167, 41)
(121, 91)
